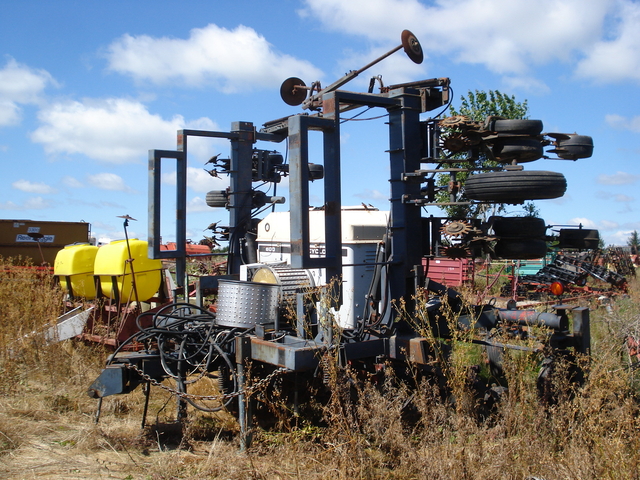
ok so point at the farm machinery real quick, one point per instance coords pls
(348, 283)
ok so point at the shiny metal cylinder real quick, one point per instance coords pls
(246, 304)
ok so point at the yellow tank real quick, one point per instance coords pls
(75, 263)
(112, 262)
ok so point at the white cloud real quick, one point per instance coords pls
(33, 187)
(230, 60)
(198, 204)
(585, 222)
(618, 178)
(620, 197)
(19, 85)
(616, 197)
(33, 203)
(71, 182)
(10, 113)
(623, 123)
(618, 238)
(198, 180)
(201, 181)
(615, 57)
(37, 203)
(508, 37)
(108, 181)
(527, 84)
(114, 130)
(395, 69)
(608, 225)
(372, 195)
(9, 206)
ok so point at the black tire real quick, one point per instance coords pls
(316, 171)
(515, 186)
(520, 149)
(575, 147)
(581, 238)
(517, 127)
(521, 249)
(217, 198)
(519, 227)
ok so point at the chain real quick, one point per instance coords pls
(222, 398)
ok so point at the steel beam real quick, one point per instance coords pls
(155, 207)
(299, 127)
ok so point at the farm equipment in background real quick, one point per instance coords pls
(577, 260)
(569, 273)
(108, 287)
(348, 283)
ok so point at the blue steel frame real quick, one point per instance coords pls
(404, 106)
(242, 136)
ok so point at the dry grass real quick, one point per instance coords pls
(390, 430)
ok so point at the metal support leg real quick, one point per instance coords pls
(147, 392)
(98, 411)
(325, 321)
(300, 317)
(581, 330)
(245, 413)
(296, 395)
(181, 405)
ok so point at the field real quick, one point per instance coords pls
(392, 430)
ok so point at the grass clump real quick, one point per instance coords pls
(397, 421)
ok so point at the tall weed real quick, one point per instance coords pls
(394, 421)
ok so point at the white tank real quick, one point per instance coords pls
(362, 230)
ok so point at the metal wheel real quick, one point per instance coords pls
(455, 228)
(574, 147)
(454, 121)
(520, 149)
(516, 127)
(456, 252)
(521, 249)
(412, 47)
(495, 358)
(290, 93)
(581, 238)
(217, 198)
(515, 186)
(525, 227)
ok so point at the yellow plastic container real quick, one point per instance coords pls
(112, 262)
(75, 264)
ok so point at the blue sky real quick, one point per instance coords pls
(87, 88)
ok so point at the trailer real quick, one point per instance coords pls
(40, 240)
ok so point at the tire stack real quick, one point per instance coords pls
(521, 141)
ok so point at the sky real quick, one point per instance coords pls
(88, 88)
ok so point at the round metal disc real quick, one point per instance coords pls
(412, 47)
(455, 228)
(455, 252)
(290, 94)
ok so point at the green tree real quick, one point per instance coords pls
(634, 242)
(530, 210)
(478, 106)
